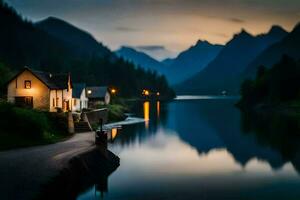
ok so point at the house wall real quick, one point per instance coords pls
(61, 98)
(107, 98)
(83, 101)
(39, 91)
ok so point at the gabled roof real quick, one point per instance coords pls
(97, 92)
(52, 81)
(77, 89)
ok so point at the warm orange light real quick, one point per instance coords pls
(147, 113)
(27, 84)
(146, 92)
(158, 108)
(114, 133)
(113, 91)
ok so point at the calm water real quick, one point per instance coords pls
(203, 149)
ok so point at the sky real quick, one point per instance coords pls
(172, 25)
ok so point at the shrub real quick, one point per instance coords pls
(30, 123)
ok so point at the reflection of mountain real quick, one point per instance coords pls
(216, 124)
(279, 132)
(193, 128)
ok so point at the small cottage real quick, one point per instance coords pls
(40, 90)
(97, 96)
(79, 98)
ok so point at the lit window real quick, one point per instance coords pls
(27, 84)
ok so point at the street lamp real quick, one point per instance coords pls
(113, 91)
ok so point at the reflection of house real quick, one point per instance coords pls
(40, 90)
(97, 96)
(79, 99)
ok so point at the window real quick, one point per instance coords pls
(74, 102)
(57, 99)
(27, 84)
(53, 102)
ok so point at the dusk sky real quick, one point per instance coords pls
(174, 24)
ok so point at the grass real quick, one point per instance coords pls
(21, 127)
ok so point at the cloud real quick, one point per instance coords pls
(151, 47)
(237, 20)
(126, 29)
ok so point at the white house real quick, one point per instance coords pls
(41, 90)
(79, 98)
(97, 96)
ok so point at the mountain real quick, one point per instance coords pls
(79, 41)
(290, 46)
(56, 46)
(158, 52)
(224, 72)
(140, 59)
(168, 61)
(192, 61)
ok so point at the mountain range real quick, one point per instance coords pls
(224, 72)
(191, 61)
(186, 64)
(290, 45)
(211, 69)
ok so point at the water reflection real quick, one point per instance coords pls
(147, 113)
(277, 131)
(197, 147)
(158, 109)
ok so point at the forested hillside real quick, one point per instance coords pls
(41, 46)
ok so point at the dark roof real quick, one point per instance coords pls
(97, 92)
(77, 89)
(52, 81)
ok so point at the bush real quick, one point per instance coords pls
(28, 123)
(22, 122)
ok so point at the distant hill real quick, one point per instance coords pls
(79, 41)
(192, 61)
(56, 46)
(224, 72)
(140, 59)
(290, 46)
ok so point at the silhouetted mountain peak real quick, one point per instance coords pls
(202, 42)
(276, 29)
(243, 34)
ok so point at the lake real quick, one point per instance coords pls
(203, 148)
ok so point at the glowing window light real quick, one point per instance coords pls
(27, 84)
